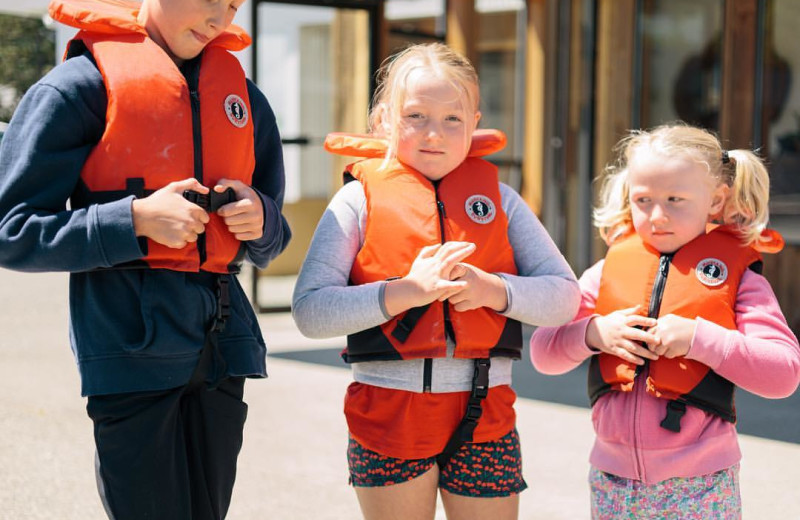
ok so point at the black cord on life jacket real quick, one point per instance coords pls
(211, 360)
(465, 429)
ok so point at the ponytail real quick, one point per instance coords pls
(747, 206)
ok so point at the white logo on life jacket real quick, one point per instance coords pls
(236, 111)
(480, 209)
(711, 272)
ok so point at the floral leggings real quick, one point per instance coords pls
(713, 496)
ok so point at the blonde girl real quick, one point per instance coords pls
(673, 319)
(429, 264)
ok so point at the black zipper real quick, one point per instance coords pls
(658, 286)
(193, 80)
(653, 310)
(427, 367)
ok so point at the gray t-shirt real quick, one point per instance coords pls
(544, 292)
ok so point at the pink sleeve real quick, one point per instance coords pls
(556, 350)
(763, 355)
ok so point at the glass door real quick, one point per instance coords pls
(314, 63)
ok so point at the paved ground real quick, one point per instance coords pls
(292, 465)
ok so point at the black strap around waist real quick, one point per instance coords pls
(211, 361)
(465, 429)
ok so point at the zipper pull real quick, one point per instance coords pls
(440, 205)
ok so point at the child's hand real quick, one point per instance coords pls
(245, 217)
(674, 335)
(429, 277)
(166, 217)
(482, 290)
(616, 334)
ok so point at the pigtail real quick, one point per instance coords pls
(747, 206)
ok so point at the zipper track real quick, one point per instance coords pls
(427, 367)
(193, 80)
(654, 308)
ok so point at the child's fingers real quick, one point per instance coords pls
(458, 271)
(630, 310)
(636, 320)
(640, 336)
(452, 253)
(428, 251)
(236, 216)
(631, 352)
(448, 288)
(187, 184)
(241, 189)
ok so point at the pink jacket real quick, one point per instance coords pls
(762, 356)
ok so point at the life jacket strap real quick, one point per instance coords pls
(404, 326)
(211, 362)
(675, 412)
(465, 429)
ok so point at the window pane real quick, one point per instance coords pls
(500, 68)
(313, 67)
(781, 110)
(414, 21)
(681, 62)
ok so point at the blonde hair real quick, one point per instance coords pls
(746, 206)
(393, 77)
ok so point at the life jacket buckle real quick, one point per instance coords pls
(473, 413)
(675, 412)
(212, 200)
(223, 304)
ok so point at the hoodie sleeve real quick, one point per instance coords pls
(762, 355)
(557, 350)
(268, 181)
(54, 128)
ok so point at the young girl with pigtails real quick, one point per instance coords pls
(428, 264)
(673, 319)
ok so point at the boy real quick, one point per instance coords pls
(171, 161)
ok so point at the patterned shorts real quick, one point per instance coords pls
(714, 496)
(488, 469)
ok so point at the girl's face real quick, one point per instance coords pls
(672, 199)
(436, 125)
(184, 27)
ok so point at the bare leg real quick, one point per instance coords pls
(412, 500)
(460, 507)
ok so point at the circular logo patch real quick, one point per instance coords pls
(711, 272)
(236, 110)
(480, 209)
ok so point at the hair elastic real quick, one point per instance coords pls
(725, 158)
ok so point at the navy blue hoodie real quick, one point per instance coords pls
(130, 330)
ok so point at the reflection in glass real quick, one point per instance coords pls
(782, 104)
(681, 62)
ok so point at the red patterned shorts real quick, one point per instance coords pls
(487, 469)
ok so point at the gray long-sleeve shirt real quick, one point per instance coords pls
(544, 292)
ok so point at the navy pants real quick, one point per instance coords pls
(169, 454)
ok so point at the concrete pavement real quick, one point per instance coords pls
(293, 463)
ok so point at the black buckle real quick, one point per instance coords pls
(474, 412)
(675, 412)
(223, 304)
(212, 200)
(480, 378)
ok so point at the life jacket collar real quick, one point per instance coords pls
(121, 17)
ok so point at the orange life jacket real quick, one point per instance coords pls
(701, 279)
(407, 212)
(153, 134)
